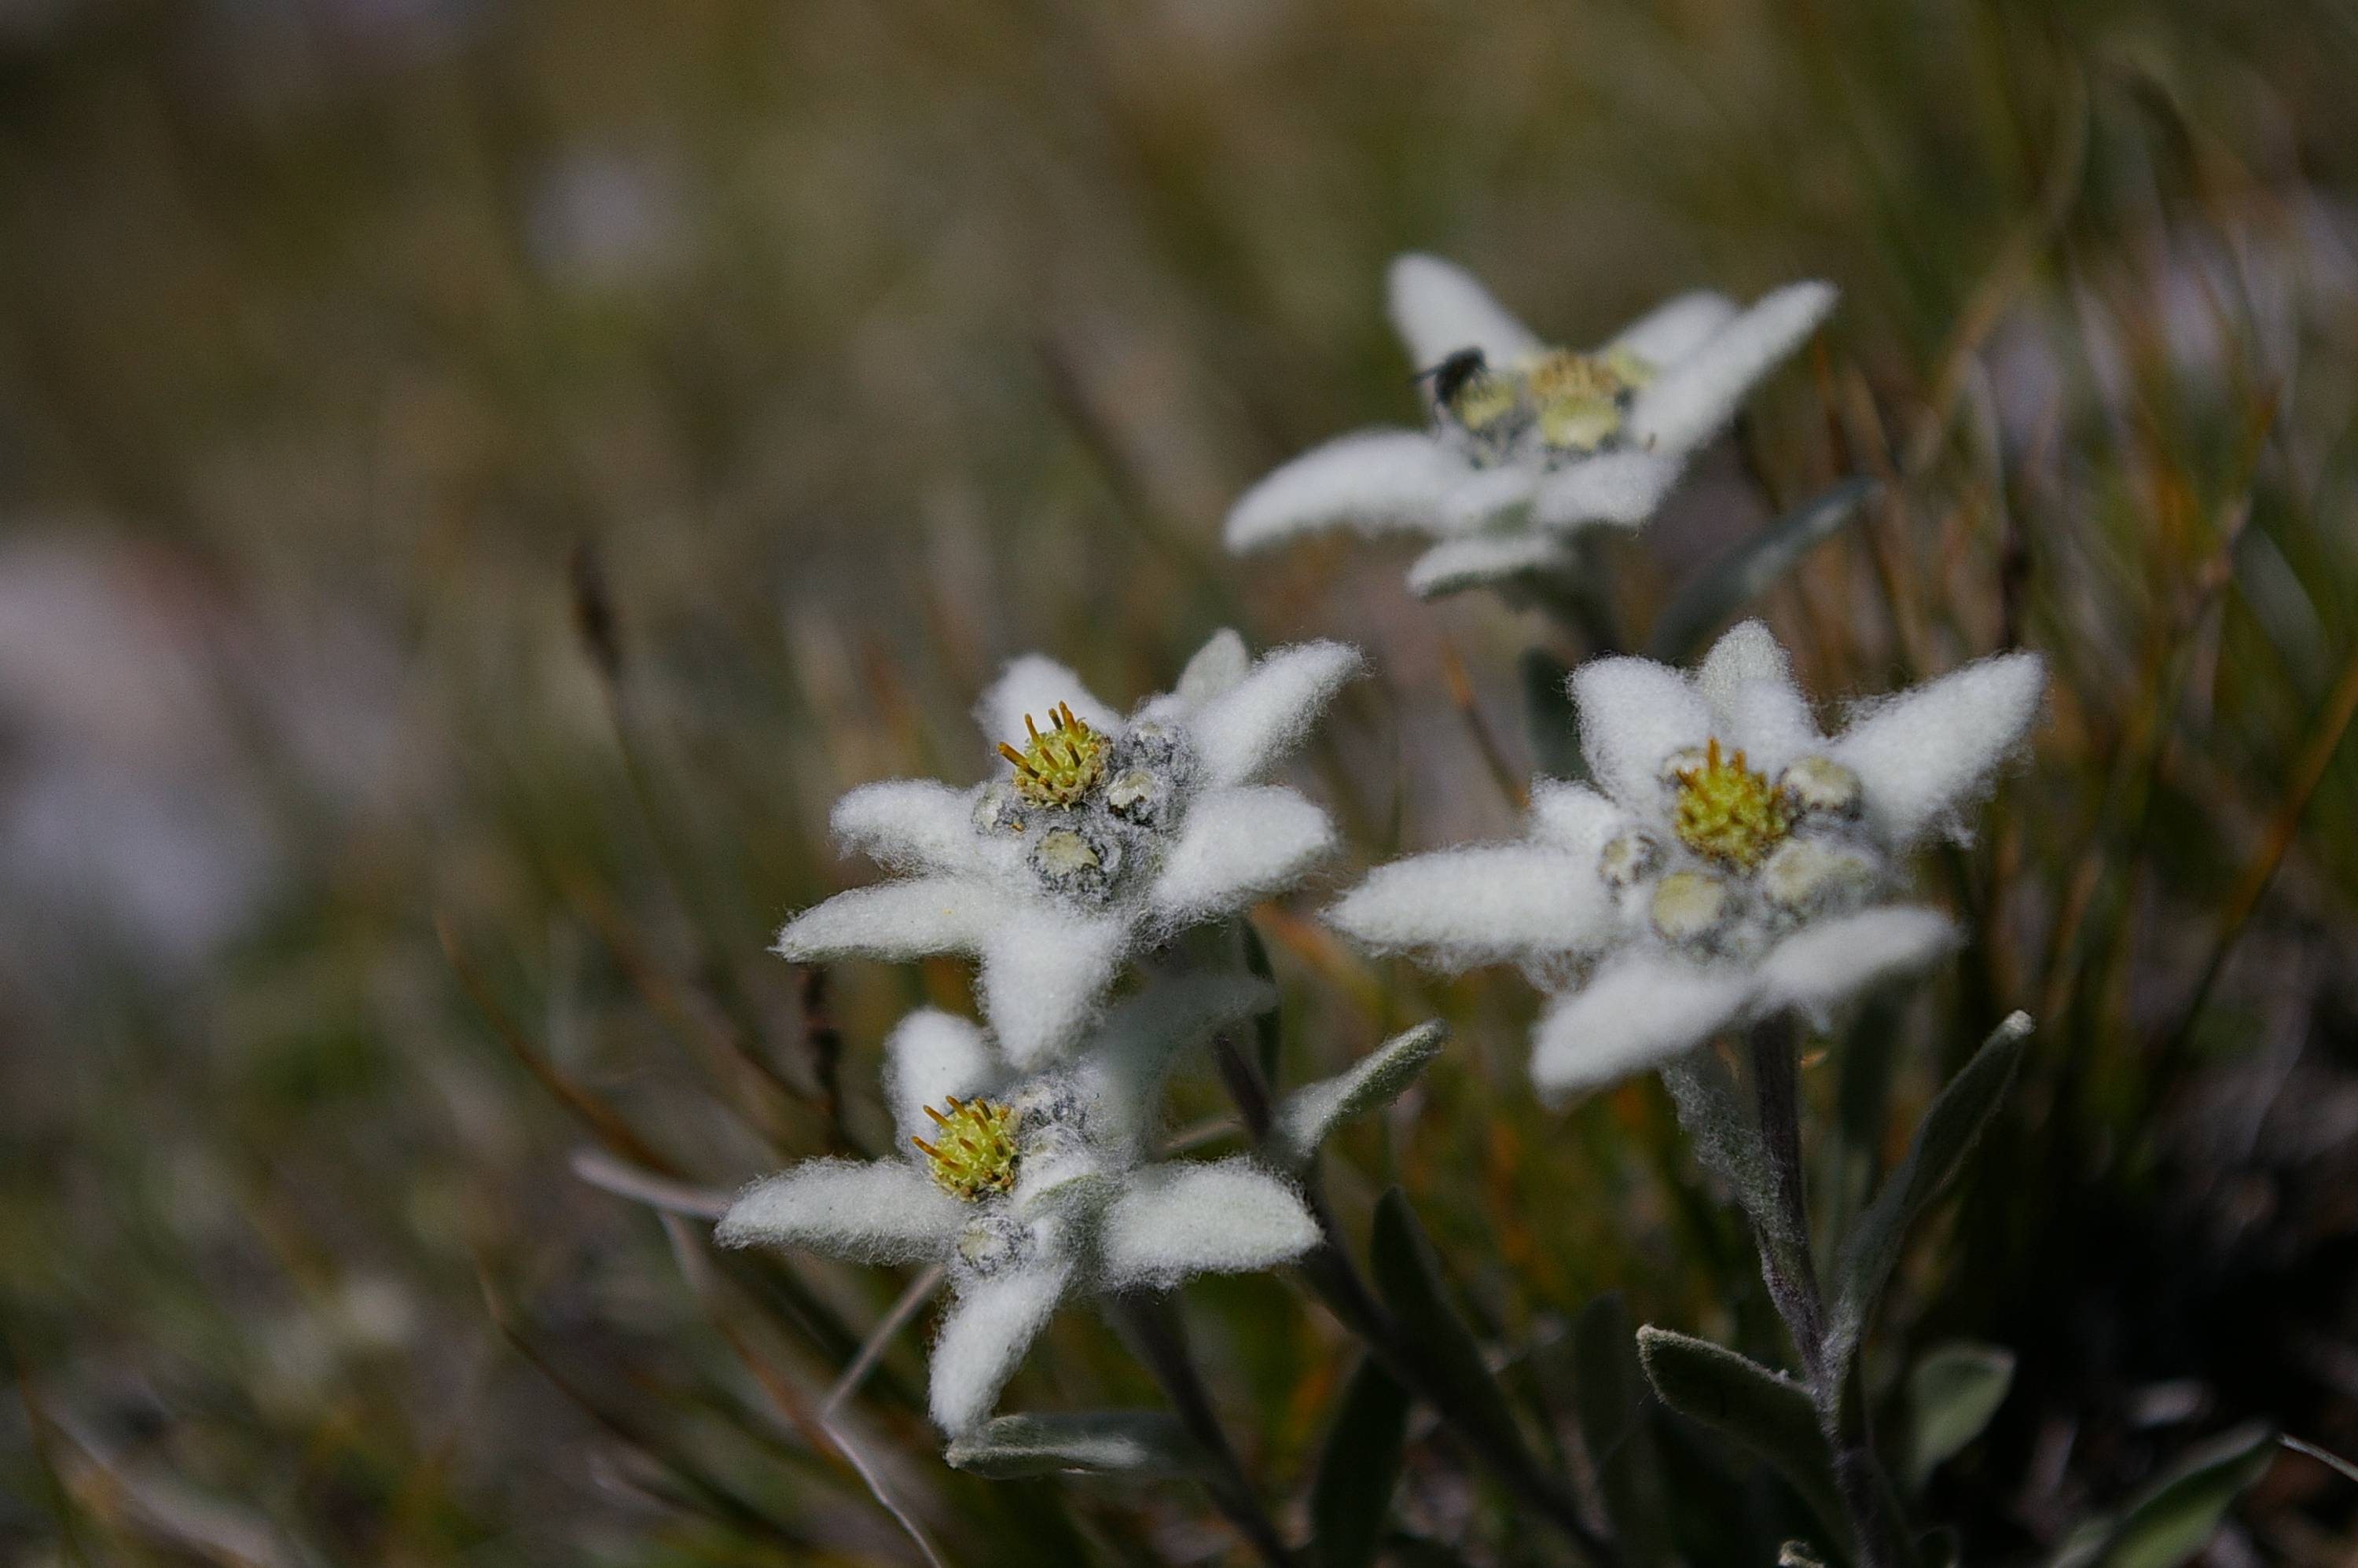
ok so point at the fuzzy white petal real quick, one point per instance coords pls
(1306, 1116)
(1823, 965)
(1044, 972)
(1476, 560)
(1573, 817)
(1438, 308)
(914, 823)
(1373, 481)
(1636, 1013)
(1183, 1218)
(1032, 685)
(1131, 1051)
(929, 1056)
(1745, 651)
(1216, 669)
(879, 1211)
(1633, 714)
(1769, 722)
(1238, 845)
(983, 1338)
(1925, 754)
(893, 921)
(1691, 400)
(1459, 908)
(1676, 328)
(1619, 487)
(1245, 731)
(1494, 498)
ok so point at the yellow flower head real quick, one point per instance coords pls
(976, 1153)
(1729, 813)
(1061, 766)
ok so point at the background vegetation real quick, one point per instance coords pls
(479, 480)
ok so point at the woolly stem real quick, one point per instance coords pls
(1332, 1276)
(1154, 1333)
(1792, 1280)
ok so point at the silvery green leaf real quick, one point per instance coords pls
(1119, 1442)
(1304, 1118)
(1952, 1392)
(1749, 569)
(2175, 1518)
(1408, 1277)
(1610, 1400)
(1942, 1139)
(1352, 1498)
(1765, 1413)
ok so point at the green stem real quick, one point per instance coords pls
(1880, 1539)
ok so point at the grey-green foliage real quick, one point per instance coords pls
(1768, 1415)
(1952, 1392)
(1128, 1443)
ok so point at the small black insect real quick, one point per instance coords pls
(1453, 374)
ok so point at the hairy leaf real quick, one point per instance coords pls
(1768, 1415)
(1952, 1392)
(1122, 1443)
(1942, 1139)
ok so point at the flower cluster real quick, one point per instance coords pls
(1024, 1165)
(1528, 444)
(1731, 863)
(1104, 835)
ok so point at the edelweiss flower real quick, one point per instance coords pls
(1528, 444)
(1737, 864)
(1028, 1187)
(1102, 835)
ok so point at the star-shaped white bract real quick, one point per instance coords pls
(1531, 444)
(1055, 1192)
(1117, 835)
(1732, 863)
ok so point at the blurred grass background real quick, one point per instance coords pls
(479, 479)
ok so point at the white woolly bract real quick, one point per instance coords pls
(1491, 903)
(1573, 818)
(1437, 308)
(1236, 845)
(912, 824)
(1034, 685)
(983, 1338)
(1179, 1219)
(1217, 669)
(1044, 972)
(1478, 560)
(929, 1056)
(894, 921)
(1304, 1118)
(1633, 714)
(1640, 1010)
(1242, 732)
(1924, 755)
(1126, 1059)
(1823, 965)
(1676, 328)
(879, 1211)
(1745, 651)
(1373, 481)
(1694, 398)
(1622, 489)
